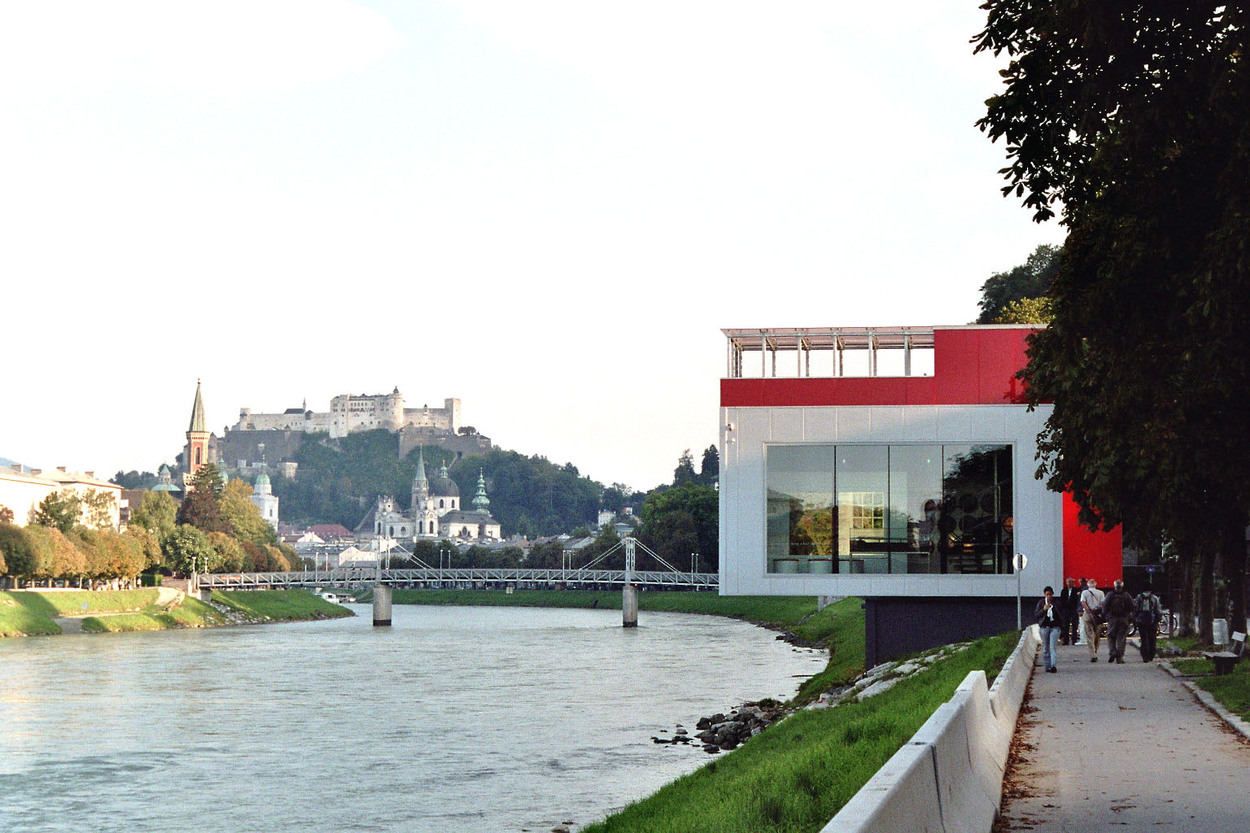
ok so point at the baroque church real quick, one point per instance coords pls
(435, 512)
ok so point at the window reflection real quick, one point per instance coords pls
(899, 509)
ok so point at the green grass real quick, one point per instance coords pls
(26, 614)
(192, 613)
(280, 605)
(795, 777)
(70, 602)
(1231, 690)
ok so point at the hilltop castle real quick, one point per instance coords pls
(349, 414)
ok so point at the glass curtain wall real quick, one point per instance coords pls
(896, 509)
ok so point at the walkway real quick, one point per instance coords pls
(1125, 747)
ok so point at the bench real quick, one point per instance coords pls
(1225, 660)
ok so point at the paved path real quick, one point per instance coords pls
(1124, 747)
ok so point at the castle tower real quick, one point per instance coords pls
(197, 436)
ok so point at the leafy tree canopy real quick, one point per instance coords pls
(1029, 280)
(1135, 118)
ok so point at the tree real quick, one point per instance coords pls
(135, 479)
(1136, 118)
(188, 548)
(6, 514)
(157, 513)
(59, 510)
(684, 473)
(241, 517)
(98, 508)
(669, 518)
(1030, 279)
(16, 557)
(1026, 311)
(201, 507)
(709, 471)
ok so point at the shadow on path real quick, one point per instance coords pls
(1123, 747)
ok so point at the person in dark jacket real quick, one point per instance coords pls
(1118, 607)
(1048, 620)
(1147, 613)
(1069, 612)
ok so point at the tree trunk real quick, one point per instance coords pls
(1206, 595)
(1234, 559)
(1185, 588)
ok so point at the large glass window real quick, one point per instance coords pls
(800, 509)
(895, 509)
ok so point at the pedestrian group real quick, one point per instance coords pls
(1077, 615)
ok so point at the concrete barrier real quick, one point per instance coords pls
(901, 796)
(949, 777)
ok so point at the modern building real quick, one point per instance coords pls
(895, 464)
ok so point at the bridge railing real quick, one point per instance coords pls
(494, 575)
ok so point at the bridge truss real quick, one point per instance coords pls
(473, 576)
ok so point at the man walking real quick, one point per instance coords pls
(1069, 611)
(1091, 609)
(1118, 606)
(1046, 615)
(1147, 615)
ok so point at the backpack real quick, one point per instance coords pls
(1145, 615)
(1118, 604)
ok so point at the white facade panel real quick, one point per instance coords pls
(1037, 513)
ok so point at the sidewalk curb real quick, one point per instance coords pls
(1208, 699)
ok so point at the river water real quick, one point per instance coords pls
(454, 719)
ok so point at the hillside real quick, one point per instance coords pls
(338, 480)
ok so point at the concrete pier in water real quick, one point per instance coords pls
(381, 605)
(629, 606)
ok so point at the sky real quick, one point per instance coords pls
(546, 209)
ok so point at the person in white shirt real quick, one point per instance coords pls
(1091, 611)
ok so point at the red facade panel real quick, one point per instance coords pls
(1096, 555)
(970, 367)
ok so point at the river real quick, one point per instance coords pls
(474, 719)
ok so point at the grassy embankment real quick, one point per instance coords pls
(798, 774)
(1231, 690)
(32, 612)
(838, 628)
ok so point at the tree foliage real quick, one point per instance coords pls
(59, 510)
(157, 512)
(1029, 280)
(1136, 119)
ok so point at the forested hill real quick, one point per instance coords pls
(338, 480)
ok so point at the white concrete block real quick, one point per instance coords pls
(901, 798)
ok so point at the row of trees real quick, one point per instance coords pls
(217, 528)
(1134, 121)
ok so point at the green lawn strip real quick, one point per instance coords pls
(280, 605)
(840, 628)
(795, 776)
(1232, 690)
(126, 622)
(26, 614)
(70, 602)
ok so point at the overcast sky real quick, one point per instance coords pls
(547, 209)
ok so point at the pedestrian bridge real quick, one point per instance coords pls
(434, 576)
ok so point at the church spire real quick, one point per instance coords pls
(198, 423)
(420, 466)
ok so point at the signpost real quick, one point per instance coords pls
(1019, 562)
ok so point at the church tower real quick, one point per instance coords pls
(197, 437)
(423, 511)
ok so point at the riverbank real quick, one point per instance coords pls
(54, 612)
(797, 774)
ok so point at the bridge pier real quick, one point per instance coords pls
(381, 605)
(629, 605)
